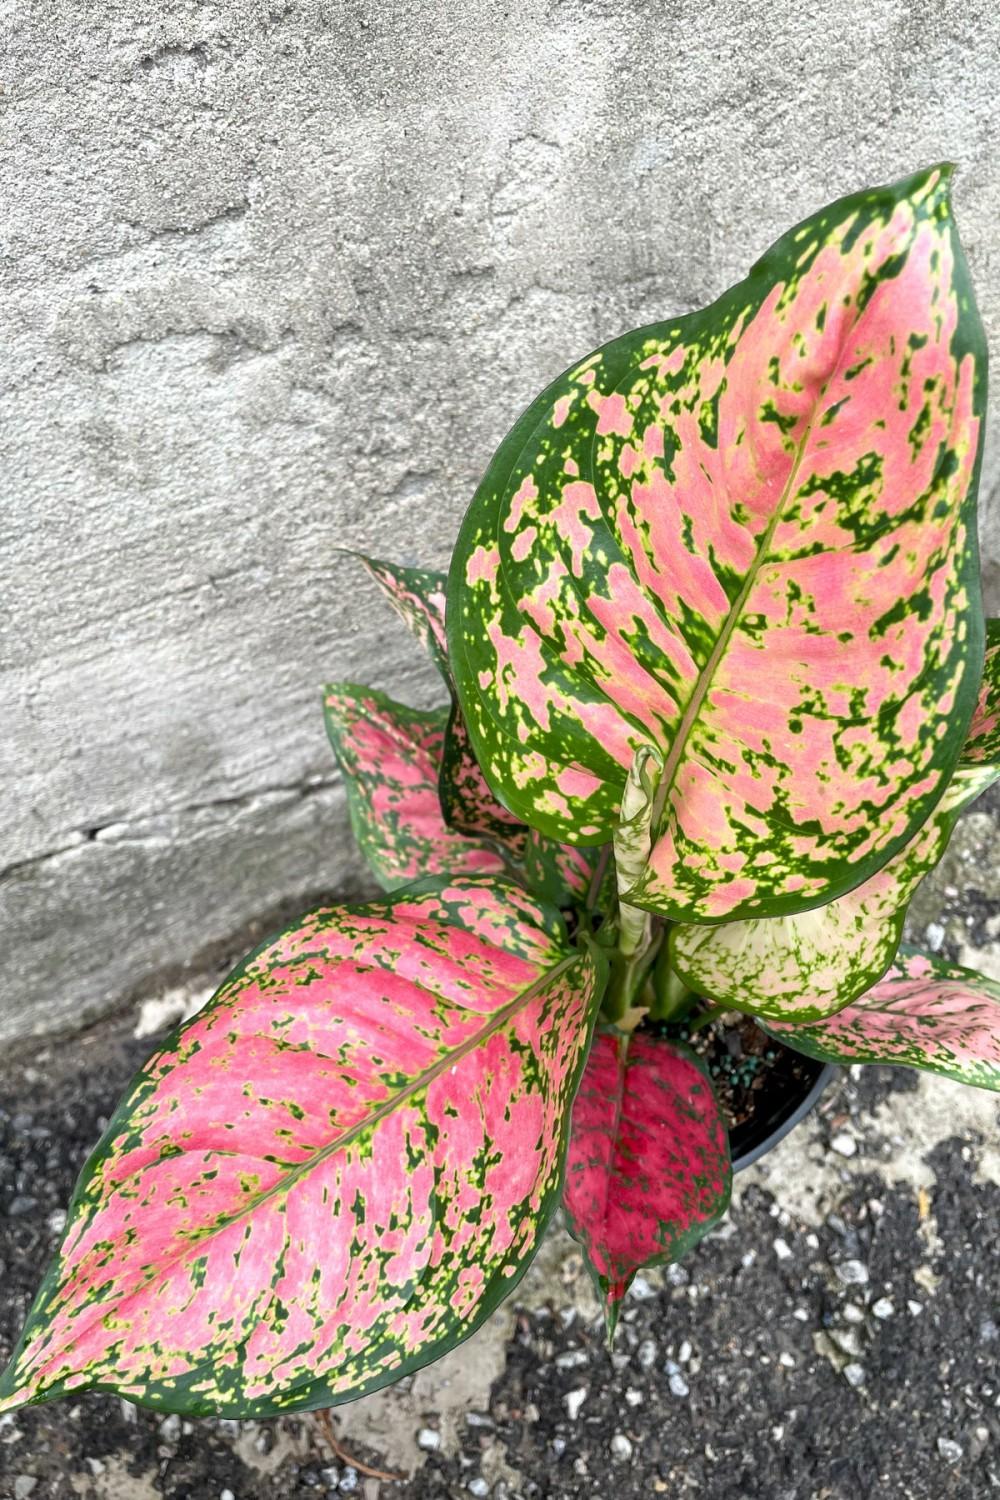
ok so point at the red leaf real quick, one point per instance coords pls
(648, 1169)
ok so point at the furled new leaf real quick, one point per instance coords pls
(745, 537)
(390, 756)
(648, 1169)
(925, 1013)
(334, 1172)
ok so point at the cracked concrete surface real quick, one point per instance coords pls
(277, 278)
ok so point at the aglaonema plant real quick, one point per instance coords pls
(717, 694)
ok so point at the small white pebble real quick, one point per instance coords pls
(621, 1448)
(95, 1466)
(852, 1313)
(787, 1361)
(915, 1307)
(801, 1315)
(678, 1385)
(170, 1428)
(782, 1249)
(571, 1360)
(844, 1144)
(641, 1289)
(812, 1240)
(633, 1397)
(777, 1433)
(949, 1450)
(428, 1439)
(883, 1308)
(934, 934)
(478, 1487)
(56, 1221)
(685, 1352)
(646, 1354)
(854, 1374)
(348, 1481)
(852, 1272)
(747, 1260)
(573, 1400)
(227, 1495)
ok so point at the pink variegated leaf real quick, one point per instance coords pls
(803, 967)
(982, 746)
(925, 1013)
(334, 1172)
(467, 801)
(648, 1169)
(565, 875)
(744, 537)
(559, 873)
(390, 757)
(418, 597)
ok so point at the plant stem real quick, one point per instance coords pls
(597, 879)
(630, 963)
(673, 998)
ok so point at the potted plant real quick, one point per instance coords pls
(718, 692)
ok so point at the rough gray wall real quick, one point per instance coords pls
(278, 275)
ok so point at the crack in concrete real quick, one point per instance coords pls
(128, 830)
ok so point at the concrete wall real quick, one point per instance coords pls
(278, 275)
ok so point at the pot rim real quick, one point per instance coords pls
(805, 1106)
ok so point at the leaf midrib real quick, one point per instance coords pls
(673, 760)
(341, 1142)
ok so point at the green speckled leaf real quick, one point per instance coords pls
(745, 537)
(418, 596)
(803, 967)
(925, 1013)
(559, 873)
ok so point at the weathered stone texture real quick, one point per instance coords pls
(278, 275)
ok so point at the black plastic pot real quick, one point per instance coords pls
(761, 1134)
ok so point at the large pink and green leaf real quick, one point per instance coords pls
(390, 758)
(746, 538)
(334, 1172)
(648, 1170)
(925, 1013)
